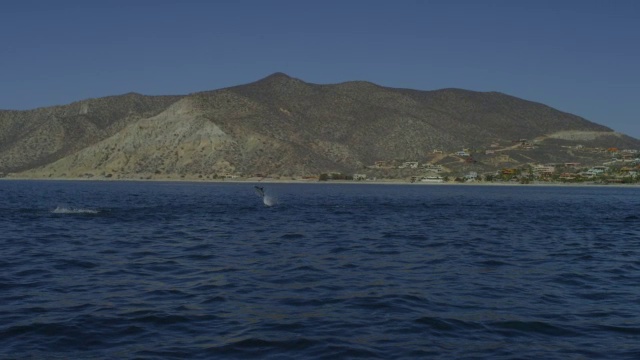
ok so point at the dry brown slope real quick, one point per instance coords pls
(37, 137)
(176, 141)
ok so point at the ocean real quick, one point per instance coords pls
(179, 270)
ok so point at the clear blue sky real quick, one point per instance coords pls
(581, 56)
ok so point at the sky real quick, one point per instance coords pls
(581, 57)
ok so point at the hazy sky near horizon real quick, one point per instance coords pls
(578, 56)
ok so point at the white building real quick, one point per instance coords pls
(471, 176)
(409, 165)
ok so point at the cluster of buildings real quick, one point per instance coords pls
(624, 166)
(407, 165)
(622, 170)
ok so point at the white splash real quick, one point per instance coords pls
(269, 200)
(71, 210)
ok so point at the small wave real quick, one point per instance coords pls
(291, 236)
(338, 250)
(514, 328)
(258, 346)
(445, 325)
(72, 210)
(215, 299)
(304, 347)
(493, 263)
(71, 264)
(162, 319)
(622, 329)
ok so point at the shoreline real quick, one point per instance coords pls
(315, 181)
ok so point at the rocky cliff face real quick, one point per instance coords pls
(282, 126)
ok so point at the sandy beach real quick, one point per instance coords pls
(253, 180)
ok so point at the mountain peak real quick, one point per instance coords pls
(278, 75)
(277, 82)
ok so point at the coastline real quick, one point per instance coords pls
(255, 180)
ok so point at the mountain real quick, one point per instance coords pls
(282, 126)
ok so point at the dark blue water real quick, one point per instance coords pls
(200, 271)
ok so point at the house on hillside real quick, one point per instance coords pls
(502, 158)
(595, 171)
(433, 168)
(471, 176)
(409, 165)
(432, 179)
(627, 156)
(568, 176)
(382, 165)
(544, 170)
(629, 171)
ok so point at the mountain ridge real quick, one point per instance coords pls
(283, 126)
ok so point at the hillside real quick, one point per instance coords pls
(282, 126)
(37, 137)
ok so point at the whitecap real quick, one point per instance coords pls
(72, 210)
